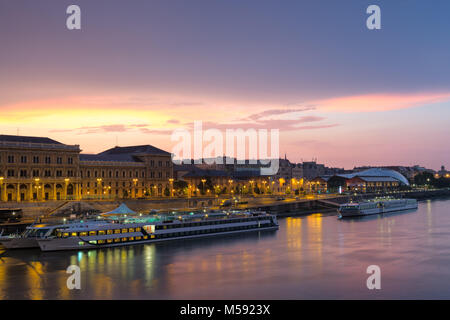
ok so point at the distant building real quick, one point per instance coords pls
(312, 169)
(443, 173)
(369, 180)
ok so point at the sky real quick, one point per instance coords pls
(137, 70)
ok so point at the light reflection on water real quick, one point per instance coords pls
(316, 256)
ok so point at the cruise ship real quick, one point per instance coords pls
(139, 230)
(376, 206)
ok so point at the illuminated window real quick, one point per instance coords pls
(101, 232)
(145, 237)
(153, 236)
(117, 231)
(117, 240)
(124, 230)
(83, 234)
(138, 229)
(109, 232)
(138, 238)
(109, 240)
(124, 239)
(65, 234)
(131, 238)
(73, 234)
(131, 230)
(92, 233)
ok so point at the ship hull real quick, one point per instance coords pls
(372, 211)
(19, 243)
(73, 243)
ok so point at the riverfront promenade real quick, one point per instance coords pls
(281, 205)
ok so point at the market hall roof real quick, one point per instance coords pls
(376, 174)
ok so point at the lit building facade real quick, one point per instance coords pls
(40, 169)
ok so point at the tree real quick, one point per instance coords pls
(180, 186)
(424, 178)
(166, 191)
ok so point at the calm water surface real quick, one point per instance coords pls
(317, 256)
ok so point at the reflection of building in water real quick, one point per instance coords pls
(314, 226)
(141, 271)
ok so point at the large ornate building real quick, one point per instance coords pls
(34, 168)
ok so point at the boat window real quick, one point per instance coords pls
(131, 230)
(101, 241)
(41, 232)
(138, 238)
(124, 230)
(109, 232)
(65, 234)
(116, 230)
(101, 232)
(138, 229)
(117, 240)
(73, 234)
(109, 240)
(59, 234)
(92, 233)
(124, 239)
(83, 234)
(131, 238)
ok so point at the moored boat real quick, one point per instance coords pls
(376, 206)
(28, 239)
(139, 230)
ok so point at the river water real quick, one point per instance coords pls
(311, 257)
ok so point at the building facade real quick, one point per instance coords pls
(40, 169)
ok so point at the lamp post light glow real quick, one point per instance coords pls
(203, 183)
(171, 186)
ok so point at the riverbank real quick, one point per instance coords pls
(53, 210)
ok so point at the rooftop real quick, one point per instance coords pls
(25, 139)
(124, 154)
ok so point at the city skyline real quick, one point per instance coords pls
(338, 92)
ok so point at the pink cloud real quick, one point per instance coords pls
(380, 102)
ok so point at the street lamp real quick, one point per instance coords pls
(171, 186)
(99, 180)
(251, 184)
(231, 183)
(203, 183)
(1, 187)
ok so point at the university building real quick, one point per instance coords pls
(39, 169)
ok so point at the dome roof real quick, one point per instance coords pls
(377, 172)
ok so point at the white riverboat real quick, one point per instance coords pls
(138, 230)
(28, 239)
(376, 206)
